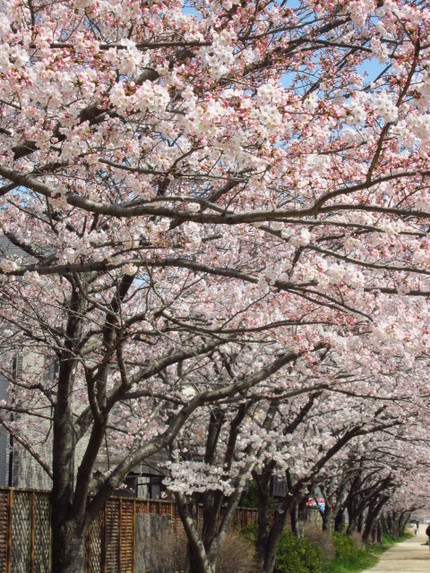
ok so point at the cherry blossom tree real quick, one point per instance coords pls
(186, 179)
(301, 464)
(380, 478)
(123, 386)
(212, 462)
(297, 432)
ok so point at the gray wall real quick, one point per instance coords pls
(26, 472)
(6, 248)
(4, 440)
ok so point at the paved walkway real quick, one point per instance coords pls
(407, 557)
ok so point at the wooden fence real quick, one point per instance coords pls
(115, 542)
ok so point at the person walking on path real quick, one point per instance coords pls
(407, 557)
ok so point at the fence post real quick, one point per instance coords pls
(133, 540)
(120, 533)
(33, 508)
(103, 543)
(9, 533)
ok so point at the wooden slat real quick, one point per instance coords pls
(110, 542)
(33, 503)
(9, 531)
(4, 530)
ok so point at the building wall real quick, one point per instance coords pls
(6, 248)
(4, 440)
(26, 471)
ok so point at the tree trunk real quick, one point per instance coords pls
(196, 562)
(212, 505)
(352, 525)
(197, 558)
(339, 521)
(272, 544)
(379, 533)
(68, 546)
(279, 522)
(263, 492)
(68, 549)
(294, 519)
(327, 519)
(302, 515)
(360, 521)
(355, 513)
(372, 518)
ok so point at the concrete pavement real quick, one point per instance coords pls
(407, 557)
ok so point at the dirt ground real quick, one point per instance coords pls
(407, 557)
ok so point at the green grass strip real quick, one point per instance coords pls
(362, 559)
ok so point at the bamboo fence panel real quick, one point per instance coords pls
(25, 532)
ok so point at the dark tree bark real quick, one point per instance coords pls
(294, 519)
(263, 481)
(301, 516)
(329, 511)
(373, 516)
(70, 541)
(67, 530)
(339, 520)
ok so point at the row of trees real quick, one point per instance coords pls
(358, 461)
(216, 217)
